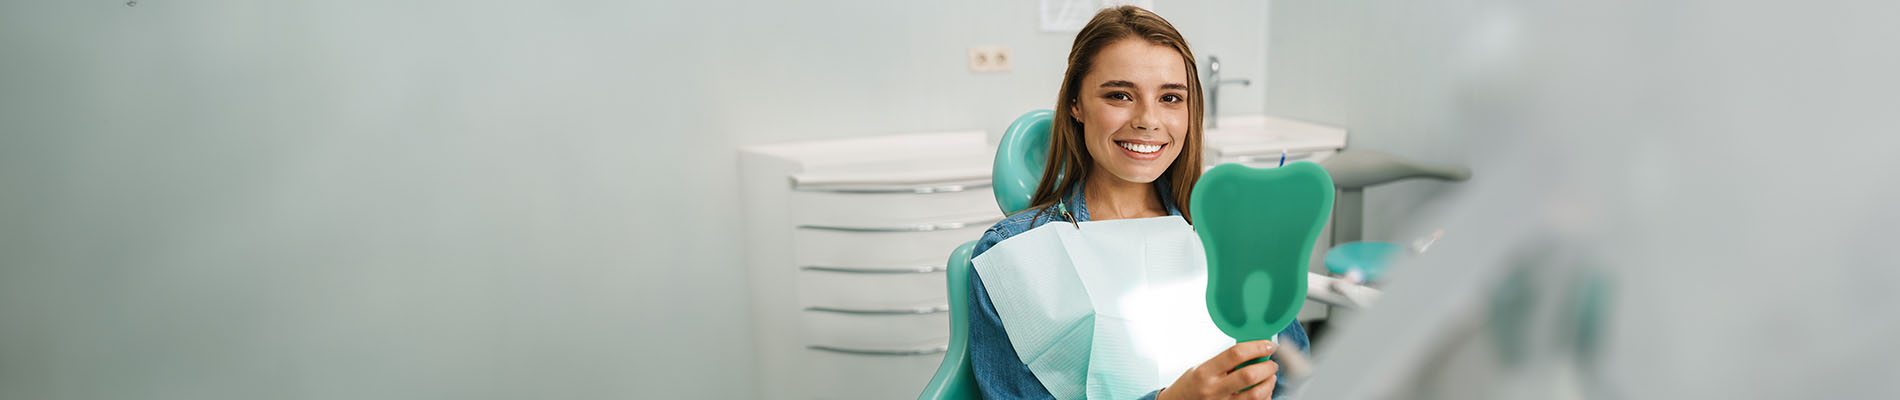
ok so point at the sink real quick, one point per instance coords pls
(1258, 140)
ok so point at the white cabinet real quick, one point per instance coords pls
(846, 242)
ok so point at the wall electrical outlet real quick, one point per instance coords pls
(990, 59)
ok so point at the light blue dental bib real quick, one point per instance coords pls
(1113, 310)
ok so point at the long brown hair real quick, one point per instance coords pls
(1069, 158)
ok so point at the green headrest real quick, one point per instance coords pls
(1020, 158)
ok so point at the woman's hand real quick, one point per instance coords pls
(1217, 378)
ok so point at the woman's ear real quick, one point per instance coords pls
(1075, 111)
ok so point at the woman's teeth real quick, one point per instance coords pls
(1140, 148)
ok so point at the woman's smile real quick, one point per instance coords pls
(1141, 150)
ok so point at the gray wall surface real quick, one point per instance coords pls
(1725, 170)
(447, 200)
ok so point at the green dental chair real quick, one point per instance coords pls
(954, 380)
(1013, 178)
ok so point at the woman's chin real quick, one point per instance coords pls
(1136, 171)
(1139, 176)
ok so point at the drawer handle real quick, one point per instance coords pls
(884, 311)
(939, 226)
(913, 189)
(922, 269)
(877, 352)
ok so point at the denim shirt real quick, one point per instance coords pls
(1000, 374)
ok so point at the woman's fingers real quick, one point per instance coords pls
(1262, 392)
(1252, 375)
(1217, 378)
(1241, 352)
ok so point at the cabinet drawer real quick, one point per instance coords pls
(881, 250)
(872, 290)
(892, 211)
(868, 328)
(835, 375)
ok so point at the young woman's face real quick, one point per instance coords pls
(1133, 106)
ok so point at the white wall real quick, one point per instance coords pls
(435, 199)
(1387, 71)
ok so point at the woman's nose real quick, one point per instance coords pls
(1145, 118)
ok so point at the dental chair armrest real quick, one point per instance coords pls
(1339, 292)
(1357, 169)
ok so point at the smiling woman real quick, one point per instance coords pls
(1130, 101)
(1125, 145)
(1133, 112)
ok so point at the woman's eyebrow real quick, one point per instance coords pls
(1131, 85)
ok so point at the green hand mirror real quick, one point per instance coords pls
(1258, 227)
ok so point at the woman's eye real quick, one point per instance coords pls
(1172, 98)
(1118, 96)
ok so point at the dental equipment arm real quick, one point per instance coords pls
(1354, 170)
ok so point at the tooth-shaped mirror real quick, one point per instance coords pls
(1258, 227)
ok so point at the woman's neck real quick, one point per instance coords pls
(1109, 197)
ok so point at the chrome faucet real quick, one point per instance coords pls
(1213, 90)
